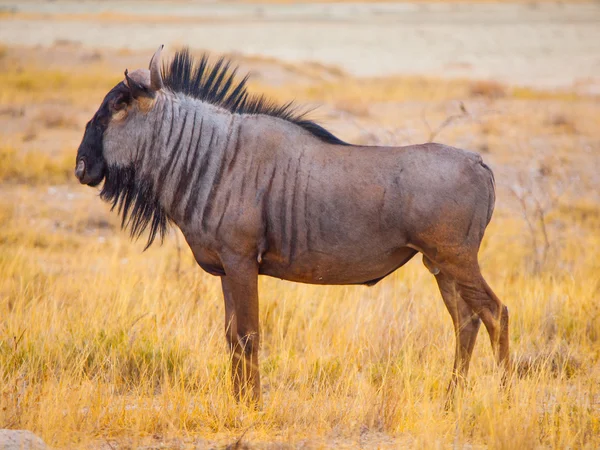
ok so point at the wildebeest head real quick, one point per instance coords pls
(110, 136)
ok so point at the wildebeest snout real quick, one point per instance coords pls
(80, 171)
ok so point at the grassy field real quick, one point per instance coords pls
(104, 346)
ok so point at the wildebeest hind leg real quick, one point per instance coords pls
(466, 326)
(477, 294)
(461, 266)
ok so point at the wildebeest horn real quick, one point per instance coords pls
(156, 82)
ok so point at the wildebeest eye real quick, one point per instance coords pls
(118, 106)
(120, 102)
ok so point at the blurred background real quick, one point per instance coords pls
(103, 346)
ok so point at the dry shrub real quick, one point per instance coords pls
(487, 88)
(31, 133)
(562, 123)
(487, 128)
(582, 212)
(538, 193)
(12, 111)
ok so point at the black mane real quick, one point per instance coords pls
(136, 202)
(215, 83)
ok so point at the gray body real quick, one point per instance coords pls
(296, 204)
(255, 194)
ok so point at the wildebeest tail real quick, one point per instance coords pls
(492, 191)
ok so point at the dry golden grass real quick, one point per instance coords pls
(67, 88)
(102, 345)
(327, 85)
(101, 340)
(34, 167)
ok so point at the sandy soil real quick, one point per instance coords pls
(534, 44)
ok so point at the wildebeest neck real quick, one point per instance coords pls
(183, 154)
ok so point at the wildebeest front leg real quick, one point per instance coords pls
(240, 292)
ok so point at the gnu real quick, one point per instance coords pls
(257, 189)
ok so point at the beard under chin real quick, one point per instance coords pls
(136, 202)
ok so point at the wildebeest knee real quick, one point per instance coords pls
(475, 321)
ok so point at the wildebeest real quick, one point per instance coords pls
(257, 189)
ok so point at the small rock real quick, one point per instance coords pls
(20, 440)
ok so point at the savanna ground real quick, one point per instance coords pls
(103, 346)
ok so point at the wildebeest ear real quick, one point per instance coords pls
(156, 81)
(137, 90)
